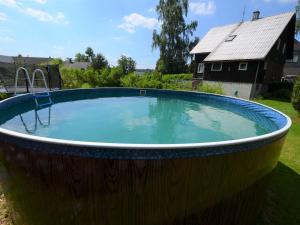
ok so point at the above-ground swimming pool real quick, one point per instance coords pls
(138, 156)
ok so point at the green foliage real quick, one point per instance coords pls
(76, 78)
(173, 41)
(55, 61)
(280, 91)
(157, 80)
(99, 62)
(90, 53)
(3, 96)
(296, 96)
(297, 28)
(81, 58)
(90, 78)
(212, 88)
(127, 64)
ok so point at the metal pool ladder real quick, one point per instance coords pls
(40, 95)
(36, 95)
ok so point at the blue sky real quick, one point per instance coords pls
(113, 27)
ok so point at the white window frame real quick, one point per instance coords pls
(243, 69)
(213, 69)
(295, 59)
(278, 44)
(200, 68)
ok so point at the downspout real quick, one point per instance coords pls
(255, 81)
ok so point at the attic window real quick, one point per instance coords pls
(230, 38)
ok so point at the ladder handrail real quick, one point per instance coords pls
(27, 78)
(43, 76)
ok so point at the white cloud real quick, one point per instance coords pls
(3, 16)
(6, 39)
(203, 8)
(9, 3)
(135, 20)
(281, 1)
(41, 15)
(45, 16)
(41, 1)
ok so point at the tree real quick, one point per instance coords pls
(296, 96)
(80, 58)
(297, 30)
(99, 62)
(90, 53)
(173, 41)
(192, 66)
(127, 64)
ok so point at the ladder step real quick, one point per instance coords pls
(40, 106)
(41, 95)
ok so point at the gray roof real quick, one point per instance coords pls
(6, 59)
(213, 38)
(254, 39)
(31, 60)
(77, 65)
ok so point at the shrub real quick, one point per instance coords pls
(280, 91)
(211, 88)
(296, 96)
(3, 96)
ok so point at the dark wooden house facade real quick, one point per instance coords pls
(247, 56)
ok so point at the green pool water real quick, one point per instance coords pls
(140, 120)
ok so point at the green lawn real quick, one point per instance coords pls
(283, 199)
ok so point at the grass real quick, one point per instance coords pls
(283, 198)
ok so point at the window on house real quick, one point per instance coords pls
(243, 66)
(200, 68)
(284, 47)
(265, 66)
(230, 38)
(217, 66)
(278, 44)
(293, 60)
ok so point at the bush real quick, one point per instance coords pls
(280, 91)
(3, 96)
(212, 88)
(296, 96)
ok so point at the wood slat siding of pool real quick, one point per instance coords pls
(53, 189)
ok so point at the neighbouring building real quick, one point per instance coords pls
(76, 65)
(292, 66)
(245, 57)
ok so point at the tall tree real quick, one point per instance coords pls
(127, 64)
(297, 30)
(90, 53)
(99, 62)
(173, 41)
(80, 58)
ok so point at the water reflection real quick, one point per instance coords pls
(37, 120)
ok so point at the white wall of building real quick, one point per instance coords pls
(234, 89)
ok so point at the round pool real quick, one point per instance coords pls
(137, 156)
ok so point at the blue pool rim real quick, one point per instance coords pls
(149, 151)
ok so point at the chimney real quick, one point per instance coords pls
(255, 15)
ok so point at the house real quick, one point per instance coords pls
(9, 65)
(245, 57)
(292, 66)
(31, 61)
(76, 65)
